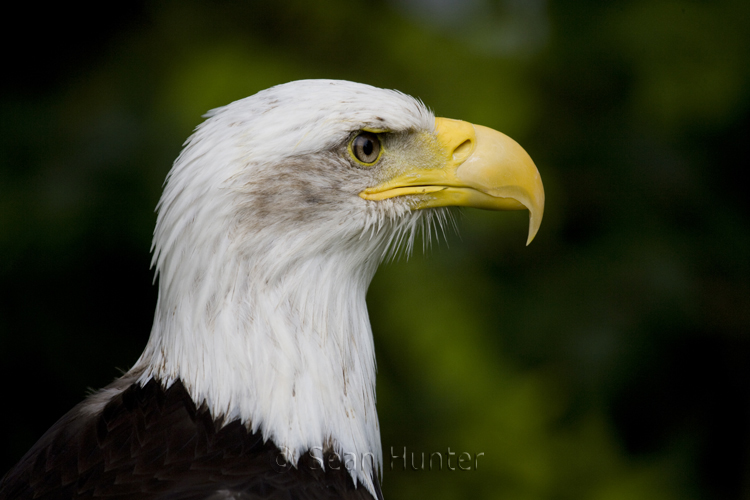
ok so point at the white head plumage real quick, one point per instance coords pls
(264, 253)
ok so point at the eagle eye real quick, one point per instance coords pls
(365, 147)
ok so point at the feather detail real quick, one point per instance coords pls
(264, 254)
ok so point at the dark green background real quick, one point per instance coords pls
(608, 360)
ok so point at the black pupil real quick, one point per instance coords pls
(367, 147)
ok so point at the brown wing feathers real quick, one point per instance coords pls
(152, 443)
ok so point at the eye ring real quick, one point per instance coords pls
(365, 148)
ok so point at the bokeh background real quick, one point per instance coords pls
(608, 360)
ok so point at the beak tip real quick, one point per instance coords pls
(534, 223)
(530, 238)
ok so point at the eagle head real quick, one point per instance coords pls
(271, 226)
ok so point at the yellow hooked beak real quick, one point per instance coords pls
(480, 168)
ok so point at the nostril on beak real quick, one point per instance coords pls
(462, 151)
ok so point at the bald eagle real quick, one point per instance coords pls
(258, 379)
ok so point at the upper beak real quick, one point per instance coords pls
(481, 168)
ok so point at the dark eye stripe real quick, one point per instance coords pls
(366, 147)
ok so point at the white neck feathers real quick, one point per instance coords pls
(261, 311)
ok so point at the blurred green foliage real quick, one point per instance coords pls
(608, 360)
